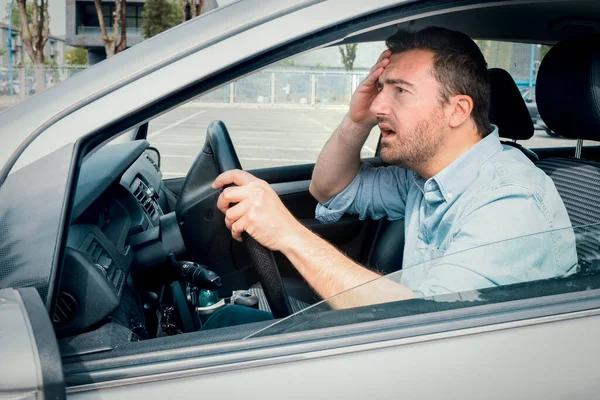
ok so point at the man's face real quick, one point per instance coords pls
(409, 112)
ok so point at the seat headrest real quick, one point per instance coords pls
(508, 110)
(568, 88)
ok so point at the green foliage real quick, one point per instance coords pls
(3, 52)
(287, 63)
(348, 52)
(76, 56)
(159, 15)
(16, 16)
(544, 50)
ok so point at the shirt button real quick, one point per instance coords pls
(450, 195)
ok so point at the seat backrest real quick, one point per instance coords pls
(508, 111)
(568, 100)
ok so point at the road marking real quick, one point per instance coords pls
(241, 146)
(367, 148)
(176, 123)
(328, 129)
(276, 159)
(174, 174)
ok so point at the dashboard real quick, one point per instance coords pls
(117, 206)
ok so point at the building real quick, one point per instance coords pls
(83, 26)
(54, 50)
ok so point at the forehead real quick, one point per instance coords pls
(413, 66)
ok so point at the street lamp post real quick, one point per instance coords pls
(10, 55)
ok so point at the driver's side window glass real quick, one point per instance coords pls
(282, 115)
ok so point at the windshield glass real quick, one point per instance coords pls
(376, 300)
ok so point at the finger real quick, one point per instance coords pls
(237, 228)
(382, 62)
(234, 176)
(385, 54)
(236, 212)
(233, 194)
(372, 78)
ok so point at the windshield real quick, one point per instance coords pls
(375, 300)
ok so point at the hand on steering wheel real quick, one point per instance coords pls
(255, 209)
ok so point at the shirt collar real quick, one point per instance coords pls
(454, 179)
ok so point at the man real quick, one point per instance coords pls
(452, 181)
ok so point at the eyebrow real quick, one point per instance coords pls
(397, 81)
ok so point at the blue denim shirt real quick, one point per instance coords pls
(489, 194)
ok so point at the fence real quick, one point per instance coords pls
(290, 85)
(304, 86)
(22, 82)
(280, 85)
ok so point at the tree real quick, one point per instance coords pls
(159, 15)
(34, 36)
(544, 50)
(16, 15)
(348, 52)
(111, 46)
(76, 56)
(191, 9)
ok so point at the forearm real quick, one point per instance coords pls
(330, 273)
(339, 160)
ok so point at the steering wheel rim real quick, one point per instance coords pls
(219, 148)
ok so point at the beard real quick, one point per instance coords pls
(409, 149)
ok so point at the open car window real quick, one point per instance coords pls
(279, 116)
(375, 301)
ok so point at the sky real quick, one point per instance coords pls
(57, 15)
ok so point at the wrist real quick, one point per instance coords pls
(353, 132)
(294, 238)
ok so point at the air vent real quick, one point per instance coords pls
(144, 194)
(99, 256)
(65, 310)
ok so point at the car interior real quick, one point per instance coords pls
(148, 259)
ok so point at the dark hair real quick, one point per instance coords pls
(458, 66)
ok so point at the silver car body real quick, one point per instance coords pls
(540, 348)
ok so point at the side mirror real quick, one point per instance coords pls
(154, 155)
(32, 366)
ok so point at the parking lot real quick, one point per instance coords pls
(263, 137)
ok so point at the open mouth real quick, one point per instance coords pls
(386, 131)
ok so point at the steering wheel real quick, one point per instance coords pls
(203, 230)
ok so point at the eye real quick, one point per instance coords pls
(400, 90)
(379, 86)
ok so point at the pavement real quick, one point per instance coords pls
(264, 136)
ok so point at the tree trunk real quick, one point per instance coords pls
(40, 78)
(34, 38)
(121, 10)
(109, 47)
(183, 4)
(119, 25)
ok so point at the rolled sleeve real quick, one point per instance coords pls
(375, 192)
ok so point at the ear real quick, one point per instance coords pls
(461, 107)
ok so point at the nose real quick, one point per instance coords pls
(380, 105)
